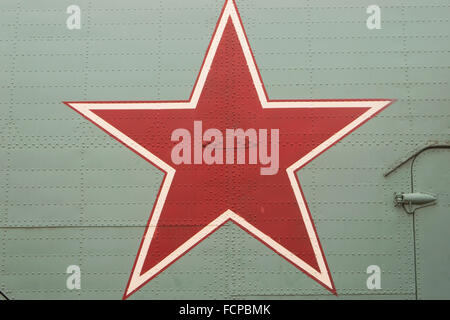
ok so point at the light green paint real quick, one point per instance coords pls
(72, 195)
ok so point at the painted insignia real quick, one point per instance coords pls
(229, 153)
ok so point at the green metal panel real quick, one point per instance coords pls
(71, 195)
(431, 174)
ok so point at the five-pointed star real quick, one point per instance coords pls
(196, 199)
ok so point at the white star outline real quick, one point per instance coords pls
(322, 276)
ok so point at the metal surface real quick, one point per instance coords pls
(411, 202)
(433, 253)
(71, 195)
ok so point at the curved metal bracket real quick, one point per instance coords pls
(408, 199)
(414, 156)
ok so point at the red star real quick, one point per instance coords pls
(196, 199)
